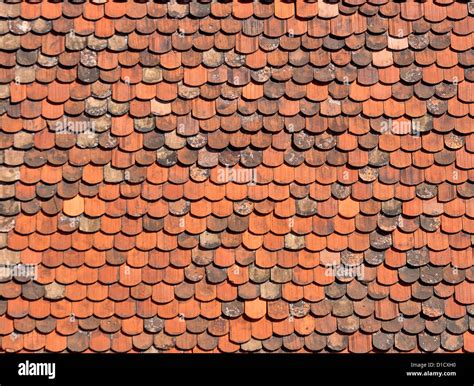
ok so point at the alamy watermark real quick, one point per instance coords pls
(74, 127)
(400, 127)
(28, 271)
(238, 175)
(345, 271)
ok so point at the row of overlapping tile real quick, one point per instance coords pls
(180, 176)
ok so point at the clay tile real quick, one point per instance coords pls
(341, 26)
(74, 206)
(422, 178)
(305, 9)
(360, 343)
(434, 12)
(465, 91)
(463, 293)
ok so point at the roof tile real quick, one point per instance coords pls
(221, 172)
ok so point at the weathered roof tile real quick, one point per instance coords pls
(224, 171)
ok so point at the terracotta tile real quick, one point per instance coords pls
(463, 293)
(55, 342)
(121, 342)
(153, 206)
(468, 345)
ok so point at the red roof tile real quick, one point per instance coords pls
(193, 193)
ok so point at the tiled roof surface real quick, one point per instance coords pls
(180, 175)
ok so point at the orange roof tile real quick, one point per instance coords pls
(211, 192)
